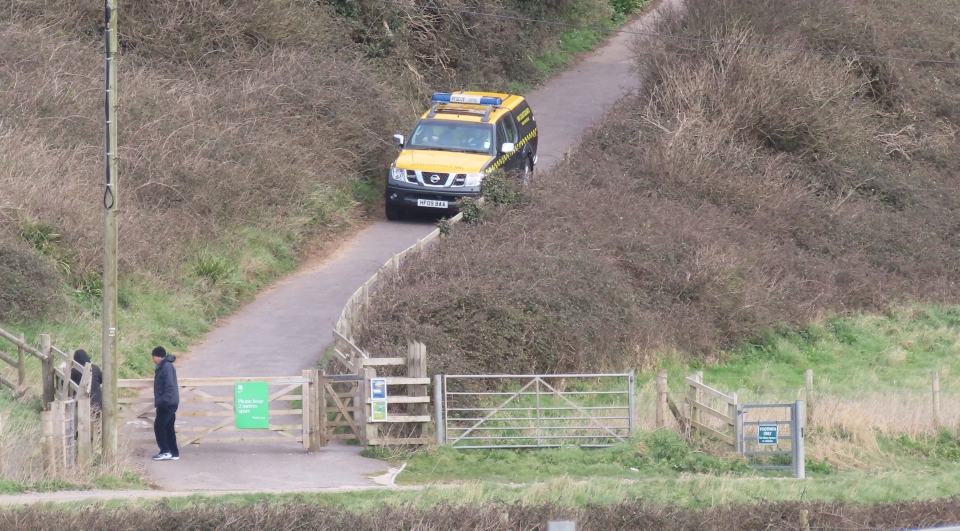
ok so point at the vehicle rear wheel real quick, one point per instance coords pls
(393, 212)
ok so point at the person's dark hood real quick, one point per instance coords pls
(81, 357)
(169, 358)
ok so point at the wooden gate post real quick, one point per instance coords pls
(808, 395)
(370, 431)
(47, 370)
(322, 408)
(316, 410)
(417, 368)
(661, 414)
(21, 364)
(935, 384)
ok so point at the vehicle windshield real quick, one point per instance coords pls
(452, 136)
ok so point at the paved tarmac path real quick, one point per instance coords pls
(287, 328)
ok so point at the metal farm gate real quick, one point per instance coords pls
(534, 411)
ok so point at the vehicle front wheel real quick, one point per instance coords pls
(393, 212)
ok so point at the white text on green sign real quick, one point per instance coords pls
(252, 405)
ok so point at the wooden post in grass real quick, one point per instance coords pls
(696, 397)
(808, 396)
(661, 399)
(935, 383)
(735, 427)
(47, 371)
(21, 364)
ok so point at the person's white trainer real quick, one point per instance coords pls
(163, 457)
(174, 457)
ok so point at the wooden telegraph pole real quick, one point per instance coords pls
(110, 413)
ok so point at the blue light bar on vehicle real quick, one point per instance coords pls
(446, 97)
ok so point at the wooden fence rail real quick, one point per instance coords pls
(348, 323)
(24, 349)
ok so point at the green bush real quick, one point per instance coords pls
(472, 210)
(499, 189)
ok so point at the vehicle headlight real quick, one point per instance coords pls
(398, 174)
(473, 179)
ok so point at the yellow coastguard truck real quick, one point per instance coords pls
(460, 139)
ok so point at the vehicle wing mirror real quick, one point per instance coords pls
(507, 147)
(398, 140)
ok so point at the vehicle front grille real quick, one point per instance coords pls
(431, 178)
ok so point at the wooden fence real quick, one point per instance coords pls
(20, 364)
(69, 426)
(709, 411)
(347, 324)
(408, 410)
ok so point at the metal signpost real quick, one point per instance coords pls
(252, 405)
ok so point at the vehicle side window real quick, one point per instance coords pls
(502, 134)
(511, 126)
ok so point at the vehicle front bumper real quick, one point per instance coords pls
(406, 197)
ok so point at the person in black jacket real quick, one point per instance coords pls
(96, 395)
(166, 397)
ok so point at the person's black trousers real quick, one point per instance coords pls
(163, 429)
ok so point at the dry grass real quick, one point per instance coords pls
(21, 459)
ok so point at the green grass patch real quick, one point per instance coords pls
(645, 455)
(849, 356)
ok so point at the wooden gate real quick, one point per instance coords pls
(711, 412)
(207, 410)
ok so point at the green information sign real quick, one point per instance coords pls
(251, 402)
(379, 409)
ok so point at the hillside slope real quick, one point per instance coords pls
(740, 190)
(250, 132)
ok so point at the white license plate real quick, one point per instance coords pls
(430, 203)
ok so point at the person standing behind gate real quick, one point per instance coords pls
(166, 396)
(96, 380)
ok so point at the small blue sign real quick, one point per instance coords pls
(378, 388)
(767, 434)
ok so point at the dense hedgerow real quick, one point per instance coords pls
(739, 190)
(626, 516)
